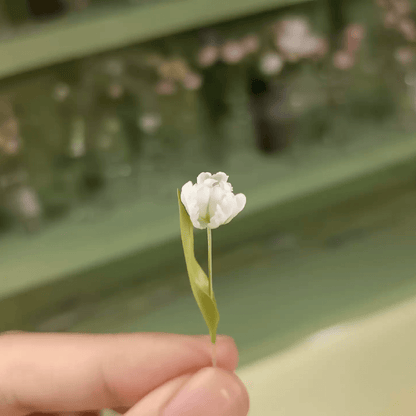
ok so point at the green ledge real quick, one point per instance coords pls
(72, 263)
(320, 269)
(78, 36)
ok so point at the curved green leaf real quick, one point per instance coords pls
(197, 277)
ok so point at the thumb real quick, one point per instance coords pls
(210, 391)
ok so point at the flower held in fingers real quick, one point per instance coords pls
(207, 204)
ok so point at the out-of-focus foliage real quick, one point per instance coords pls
(107, 130)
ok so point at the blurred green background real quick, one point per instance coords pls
(107, 107)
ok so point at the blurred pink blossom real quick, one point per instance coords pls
(408, 29)
(271, 63)
(382, 3)
(115, 91)
(251, 43)
(232, 52)
(404, 55)
(354, 34)
(77, 147)
(390, 20)
(165, 87)
(12, 146)
(355, 31)
(61, 92)
(208, 55)
(294, 39)
(296, 27)
(150, 122)
(192, 81)
(174, 69)
(401, 7)
(10, 127)
(28, 202)
(314, 47)
(321, 47)
(343, 60)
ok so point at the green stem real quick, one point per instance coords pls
(214, 355)
(210, 260)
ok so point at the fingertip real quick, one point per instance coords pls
(227, 352)
(211, 391)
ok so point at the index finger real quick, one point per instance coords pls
(75, 372)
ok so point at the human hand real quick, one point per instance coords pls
(144, 374)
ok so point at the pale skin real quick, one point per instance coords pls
(141, 374)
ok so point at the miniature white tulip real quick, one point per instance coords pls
(206, 205)
(211, 202)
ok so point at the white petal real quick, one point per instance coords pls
(217, 194)
(202, 177)
(241, 202)
(202, 199)
(194, 214)
(227, 187)
(210, 182)
(193, 211)
(211, 199)
(228, 204)
(198, 225)
(220, 177)
(186, 192)
(218, 219)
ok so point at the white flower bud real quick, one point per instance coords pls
(211, 202)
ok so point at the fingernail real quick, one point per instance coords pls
(211, 391)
